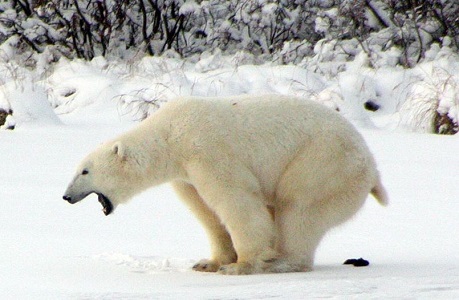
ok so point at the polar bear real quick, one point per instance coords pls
(267, 176)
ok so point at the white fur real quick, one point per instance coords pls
(267, 176)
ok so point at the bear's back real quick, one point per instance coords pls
(276, 115)
(255, 126)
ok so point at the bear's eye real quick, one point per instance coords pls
(85, 171)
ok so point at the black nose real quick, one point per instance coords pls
(67, 198)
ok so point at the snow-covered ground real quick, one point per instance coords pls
(52, 250)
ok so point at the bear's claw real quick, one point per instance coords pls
(206, 265)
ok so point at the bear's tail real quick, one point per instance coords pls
(379, 192)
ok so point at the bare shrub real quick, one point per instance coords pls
(89, 28)
(432, 104)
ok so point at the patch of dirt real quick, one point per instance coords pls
(3, 115)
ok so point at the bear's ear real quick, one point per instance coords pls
(119, 149)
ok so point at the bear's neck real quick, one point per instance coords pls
(154, 155)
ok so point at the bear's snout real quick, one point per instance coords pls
(72, 199)
(67, 198)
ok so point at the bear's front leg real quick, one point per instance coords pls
(222, 254)
(220, 241)
(242, 210)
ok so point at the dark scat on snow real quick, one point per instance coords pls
(357, 262)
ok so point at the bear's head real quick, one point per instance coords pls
(111, 172)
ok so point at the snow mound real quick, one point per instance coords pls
(29, 103)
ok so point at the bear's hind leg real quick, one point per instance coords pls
(301, 227)
(299, 234)
(222, 249)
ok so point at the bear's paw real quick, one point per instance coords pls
(206, 265)
(237, 269)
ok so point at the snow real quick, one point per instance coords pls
(145, 250)
(189, 7)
